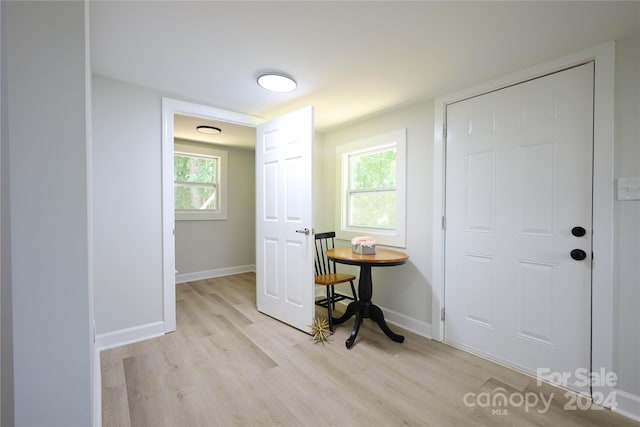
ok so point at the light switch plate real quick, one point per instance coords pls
(629, 188)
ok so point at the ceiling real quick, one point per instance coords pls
(351, 59)
(184, 127)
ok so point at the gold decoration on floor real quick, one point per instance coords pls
(320, 330)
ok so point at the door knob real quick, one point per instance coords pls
(578, 254)
(305, 231)
(578, 231)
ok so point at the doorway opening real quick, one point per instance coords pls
(171, 108)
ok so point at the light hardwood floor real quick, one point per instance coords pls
(229, 365)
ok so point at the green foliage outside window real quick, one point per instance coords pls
(196, 180)
(373, 170)
(372, 192)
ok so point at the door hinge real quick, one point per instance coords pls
(444, 132)
(442, 314)
(444, 223)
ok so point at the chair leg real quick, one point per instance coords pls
(329, 308)
(333, 296)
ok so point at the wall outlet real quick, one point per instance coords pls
(629, 188)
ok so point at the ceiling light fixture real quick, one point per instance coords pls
(209, 130)
(277, 82)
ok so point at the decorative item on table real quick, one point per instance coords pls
(363, 245)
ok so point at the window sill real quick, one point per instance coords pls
(200, 216)
(383, 239)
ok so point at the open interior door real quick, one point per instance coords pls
(284, 240)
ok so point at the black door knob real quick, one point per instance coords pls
(578, 231)
(578, 254)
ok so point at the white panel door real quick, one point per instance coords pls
(284, 251)
(518, 180)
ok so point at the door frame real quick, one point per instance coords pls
(169, 108)
(603, 56)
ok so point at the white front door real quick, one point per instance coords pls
(284, 241)
(518, 183)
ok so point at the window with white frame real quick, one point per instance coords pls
(372, 183)
(198, 185)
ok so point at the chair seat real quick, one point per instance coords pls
(334, 279)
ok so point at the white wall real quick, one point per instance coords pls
(127, 205)
(403, 292)
(47, 148)
(208, 248)
(627, 227)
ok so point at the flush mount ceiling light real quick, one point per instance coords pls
(209, 130)
(277, 82)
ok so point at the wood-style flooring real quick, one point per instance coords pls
(229, 365)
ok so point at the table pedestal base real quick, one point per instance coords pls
(364, 310)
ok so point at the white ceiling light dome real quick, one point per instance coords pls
(209, 130)
(277, 82)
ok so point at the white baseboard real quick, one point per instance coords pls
(210, 274)
(628, 405)
(129, 335)
(416, 326)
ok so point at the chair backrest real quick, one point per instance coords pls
(324, 241)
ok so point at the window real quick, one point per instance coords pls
(198, 185)
(196, 182)
(372, 188)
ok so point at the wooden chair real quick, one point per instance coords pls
(327, 276)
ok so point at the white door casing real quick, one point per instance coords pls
(170, 107)
(518, 180)
(284, 253)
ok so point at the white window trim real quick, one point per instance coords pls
(219, 214)
(397, 237)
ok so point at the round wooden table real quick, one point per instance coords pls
(363, 308)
